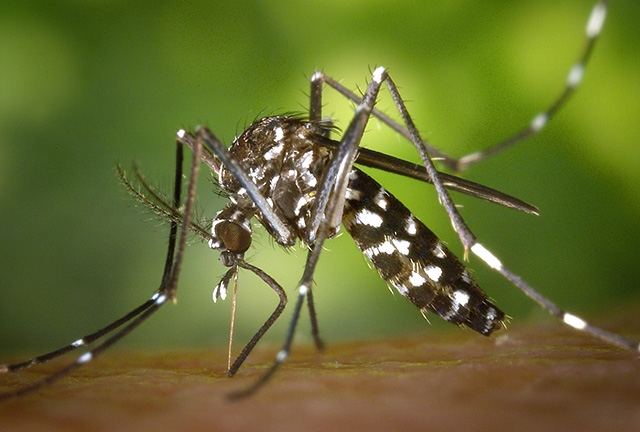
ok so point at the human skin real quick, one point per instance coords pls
(532, 377)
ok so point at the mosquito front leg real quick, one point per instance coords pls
(136, 317)
(325, 212)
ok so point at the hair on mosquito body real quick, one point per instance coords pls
(300, 180)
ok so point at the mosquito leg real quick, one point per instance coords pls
(573, 80)
(173, 230)
(88, 339)
(566, 317)
(315, 114)
(470, 242)
(166, 291)
(320, 78)
(314, 322)
(459, 225)
(280, 357)
(89, 355)
(172, 283)
(315, 98)
(209, 141)
(325, 213)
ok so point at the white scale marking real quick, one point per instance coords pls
(460, 298)
(438, 251)
(574, 321)
(416, 279)
(256, 173)
(273, 152)
(84, 358)
(78, 343)
(491, 314)
(378, 74)
(310, 180)
(274, 181)
(403, 290)
(381, 199)
(215, 223)
(301, 202)
(539, 122)
(596, 19)
(385, 248)
(410, 226)
(279, 134)
(401, 245)
(220, 291)
(215, 244)
(486, 256)
(353, 194)
(433, 273)
(246, 225)
(306, 159)
(367, 217)
(281, 356)
(575, 75)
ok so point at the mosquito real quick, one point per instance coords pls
(302, 186)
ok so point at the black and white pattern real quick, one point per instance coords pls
(282, 157)
(301, 186)
(412, 259)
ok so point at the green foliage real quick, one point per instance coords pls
(84, 85)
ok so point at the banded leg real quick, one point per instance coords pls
(539, 121)
(205, 138)
(469, 240)
(593, 29)
(326, 212)
(166, 291)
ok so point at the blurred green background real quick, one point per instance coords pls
(88, 84)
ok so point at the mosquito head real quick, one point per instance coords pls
(231, 232)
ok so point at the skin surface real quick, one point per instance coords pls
(534, 377)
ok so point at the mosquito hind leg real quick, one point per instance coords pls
(471, 243)
(575, 75)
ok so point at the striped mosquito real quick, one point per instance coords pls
(301, 185)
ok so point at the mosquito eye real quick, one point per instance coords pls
(302, 185)
(235, 237)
